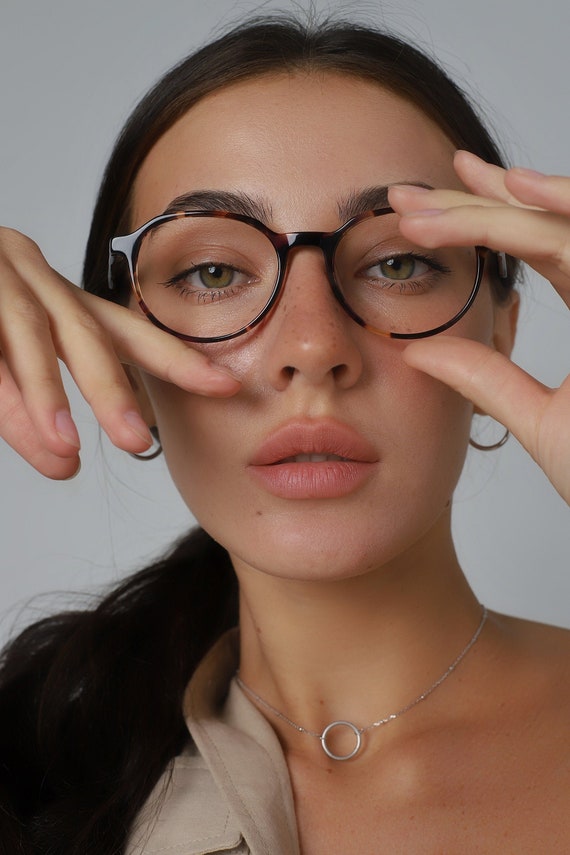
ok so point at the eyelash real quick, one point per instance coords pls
(429, 260)
(213, 294)
(176, 281)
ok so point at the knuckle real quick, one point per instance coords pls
(25, 309)
(114, 391)
(563, 254)
(85, 323)
(18, 252)
(12, 240)
(171, 370)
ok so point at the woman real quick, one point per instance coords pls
(292, 214)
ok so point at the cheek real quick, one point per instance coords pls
(427, 433)
(479, 322)
(202, 439)
(419, 426)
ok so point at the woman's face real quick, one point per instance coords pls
(313, 381)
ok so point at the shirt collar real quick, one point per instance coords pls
(241, 751)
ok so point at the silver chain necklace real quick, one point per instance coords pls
(358, 731)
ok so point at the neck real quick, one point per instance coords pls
(357, 649)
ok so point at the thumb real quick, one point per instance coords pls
(487, 378)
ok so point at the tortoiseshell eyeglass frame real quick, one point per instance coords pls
(128, 247)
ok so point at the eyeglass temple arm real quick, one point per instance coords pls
(118, 254)
(502, 265)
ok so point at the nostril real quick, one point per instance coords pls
(340, 371)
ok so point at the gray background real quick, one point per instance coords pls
(70, 71)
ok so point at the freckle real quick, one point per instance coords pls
(322, 703)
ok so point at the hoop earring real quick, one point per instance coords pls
(493, 446)
(154, 451)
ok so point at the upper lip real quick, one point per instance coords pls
(322, 436)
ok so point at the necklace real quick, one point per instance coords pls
(358, 731)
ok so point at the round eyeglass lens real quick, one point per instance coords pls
(205, 277)
(396, 287)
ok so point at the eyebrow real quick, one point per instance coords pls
(370, 198)
(221, 200)
(357, 202)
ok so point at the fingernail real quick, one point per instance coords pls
(225, 372)
(427, 212)
(138, 425)
(414, 188)
(463, 152)
(66, 429)
(75, 474)
(529, 173)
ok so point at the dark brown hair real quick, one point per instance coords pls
(273, 46)
(91, 701)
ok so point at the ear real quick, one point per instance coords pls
(138, 387)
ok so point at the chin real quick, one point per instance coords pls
(330, 551)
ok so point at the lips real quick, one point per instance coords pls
(313, 459)
(310, 458)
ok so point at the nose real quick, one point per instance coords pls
(308, 336)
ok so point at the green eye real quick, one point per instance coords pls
(400, 267)
(216, 276)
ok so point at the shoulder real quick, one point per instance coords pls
(534, 642)
(532, 654)
(529, 685)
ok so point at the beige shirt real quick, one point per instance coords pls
(230, 791)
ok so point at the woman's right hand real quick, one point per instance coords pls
(44, 317)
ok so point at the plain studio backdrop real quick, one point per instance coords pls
(70, 71)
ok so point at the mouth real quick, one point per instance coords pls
(314, 441)
(313, 459)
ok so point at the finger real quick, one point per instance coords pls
(43, 317)
(487, 185)
(540, 238)
(531, 411)
(484, 179)
(486, 377)
(138, 342)
(89, 348)
(551, 192)
(127, 337)
(516, 186)
(89, 353)
(34, 302)
(18, 430)
(29, 343)
(409, 198)
(30, 365)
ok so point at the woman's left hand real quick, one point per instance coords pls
(527, 215)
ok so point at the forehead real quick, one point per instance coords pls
(297, 142)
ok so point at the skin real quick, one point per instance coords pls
(346, 605)
(360, 582)
(244, 139)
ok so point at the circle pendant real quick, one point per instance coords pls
(327, 730)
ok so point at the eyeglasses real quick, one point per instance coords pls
(208, 276)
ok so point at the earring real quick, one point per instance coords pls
(494, 445)
(154, 451)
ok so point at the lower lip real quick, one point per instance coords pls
(328, 479)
